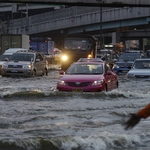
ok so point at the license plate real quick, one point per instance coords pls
(77, 90)
(14, 71)
(124, 70)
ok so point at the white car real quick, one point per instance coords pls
(140, 69)
(5, 56)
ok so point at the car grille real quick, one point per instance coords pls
(78, 85)
(125, 65)
(121, 65)
(142, 76)
(14, 66)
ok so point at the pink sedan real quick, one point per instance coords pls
(88, 75)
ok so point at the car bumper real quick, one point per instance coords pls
(16, 72)
(97, 88)
(121, 70)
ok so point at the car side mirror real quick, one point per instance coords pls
(109, 73)
(61, 72)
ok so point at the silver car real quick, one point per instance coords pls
(25, 64)
(140, 69)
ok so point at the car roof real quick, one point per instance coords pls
(142, 59)
(130, 54)
(24, 53)
(89, 62)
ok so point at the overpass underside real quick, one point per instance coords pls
(95, 3)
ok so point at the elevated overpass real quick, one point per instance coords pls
(95, 3)
(56, 24)
(79, 19)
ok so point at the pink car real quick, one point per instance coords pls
(88, 75)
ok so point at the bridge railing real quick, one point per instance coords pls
(109, 14)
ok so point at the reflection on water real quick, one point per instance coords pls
(35, 116)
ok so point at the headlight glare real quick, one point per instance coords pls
(27, 66)
(61, 82)
(116, 66)
(99, 82)
(64, 57)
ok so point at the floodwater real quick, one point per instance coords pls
(35, 116)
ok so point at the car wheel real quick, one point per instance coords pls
(46, 72)
(117, 84)
(4, 75)
(43, 73)
(34, 73)
(106, 88)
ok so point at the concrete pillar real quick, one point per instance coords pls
(115, 37)
(144, 43)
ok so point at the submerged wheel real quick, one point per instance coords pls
(106, 88)
(117, 84)
(46, 72)
(34, 73)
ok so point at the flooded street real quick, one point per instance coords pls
(35, 116)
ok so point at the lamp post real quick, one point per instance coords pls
(101, 43)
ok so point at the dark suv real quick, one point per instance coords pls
(25, 64)
(125, 61)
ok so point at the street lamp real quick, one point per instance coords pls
(101, 43)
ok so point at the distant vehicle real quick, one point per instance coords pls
(42, 44)
(88, 75)
(105, 54)
(78, 46)
(140, 69)
(25, 64)
(57, 55)
(14, 41)
(125, 61)
(5, 56)
(116, 47)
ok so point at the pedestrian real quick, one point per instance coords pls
(136, 117)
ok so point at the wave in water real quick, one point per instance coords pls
(103, 141)
(27, 92)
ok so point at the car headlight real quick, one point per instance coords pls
(116, 66)
(130, 75)
(64, 57)
(97, 82)
(61, 82)
(27, 66)
(89, 56)
(5, 66)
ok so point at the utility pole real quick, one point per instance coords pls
(101, 42)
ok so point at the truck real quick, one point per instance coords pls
(13, 41)
(78, 46)
(42, 44)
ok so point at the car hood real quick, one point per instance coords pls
(139, 71)
(81, 78)
(124, 62)
(18, 63)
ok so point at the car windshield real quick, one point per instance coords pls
(77, 44)
(22, 57)
(128, 57)
(142, 64)
(3, 57)
(85, 69)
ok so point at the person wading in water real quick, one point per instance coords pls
(136, 117)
